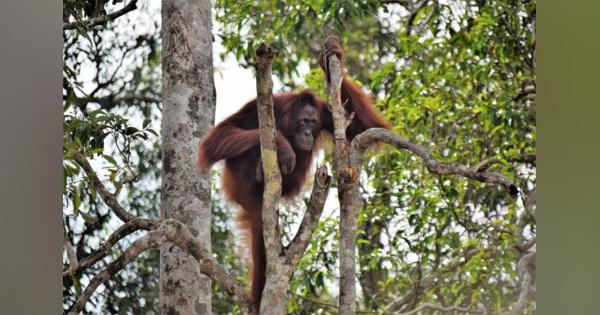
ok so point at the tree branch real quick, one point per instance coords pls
(268, 151)
(109, 198)
(169, 231)
(110, 101)
(526, 262)
(348, 189)
(123, 231)
(298, 245)
(72, 256)
(363, 140)
(132, 5)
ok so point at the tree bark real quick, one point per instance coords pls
(281, 261)
(188, 113)
(348, 192)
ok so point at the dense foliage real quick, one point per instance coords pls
(455, 76)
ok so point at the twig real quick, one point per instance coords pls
(108, 102)
(521, 158)
(109, 198)
(132, 5)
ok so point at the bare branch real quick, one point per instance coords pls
(363, 140)
(73, 263)
(109, 198)
(152, 240)
(132, 5)
(311, 217)
(169, 231)
(123, 231)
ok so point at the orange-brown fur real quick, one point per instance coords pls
(236, 140)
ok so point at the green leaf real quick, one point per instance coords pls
(110, 159)
(152, 132)
(76, 201)
(496, 129)
(77, 286)
(131, 130)
(88, 218)
(70, 99)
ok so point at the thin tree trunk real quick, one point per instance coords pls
(188, 112)
(348, 193)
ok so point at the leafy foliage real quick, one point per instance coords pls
(111, 88)
(455, 76)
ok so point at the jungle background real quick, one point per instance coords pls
(455, 76)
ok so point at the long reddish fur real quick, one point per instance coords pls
(236, 140)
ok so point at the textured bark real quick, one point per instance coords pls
(300, 242)
(174, 232)
(188, 113)
(268, 150)
(365, 139)
(347, 191)
(274, 294)
(281, 262)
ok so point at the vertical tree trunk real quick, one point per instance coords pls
(188, 112)
(348, 192)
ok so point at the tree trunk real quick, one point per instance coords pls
(188, 113)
